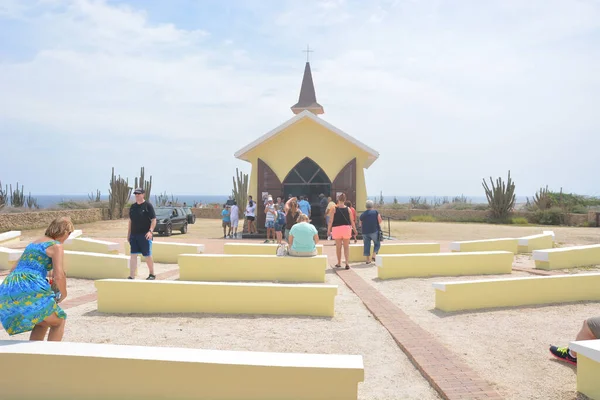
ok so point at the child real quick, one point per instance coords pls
(225, 215)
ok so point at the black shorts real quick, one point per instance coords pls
(249, 218)
(140, 245)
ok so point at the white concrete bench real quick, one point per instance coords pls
(75, 234)
(504, 244)
(10, 237)
(116, 372)
(9, 257)
(92, 246)
(444, 264)
(257, 248)
(150, 297)
(79, 264)
(357, 250)
(588, 367)
(167, 252)
(528, 244)
(237, 267)
(567, 257)
(513, 292)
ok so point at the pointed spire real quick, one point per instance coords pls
(308, 98)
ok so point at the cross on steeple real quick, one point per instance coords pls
(307, 51)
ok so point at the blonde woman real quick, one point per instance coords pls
(27, 299)
(303, 238)
(341, 226)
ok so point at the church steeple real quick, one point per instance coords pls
(308, 98)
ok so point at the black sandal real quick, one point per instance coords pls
(347, 266)
(337, 266)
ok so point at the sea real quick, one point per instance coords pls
(52, 200)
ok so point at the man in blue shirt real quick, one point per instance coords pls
(304, 206)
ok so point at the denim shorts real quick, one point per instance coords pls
(270, 224)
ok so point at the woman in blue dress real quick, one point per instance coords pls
(28, 302)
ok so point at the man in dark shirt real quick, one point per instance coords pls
(142, 220)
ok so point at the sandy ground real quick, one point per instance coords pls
(507, 347)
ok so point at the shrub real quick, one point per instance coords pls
(73, 205)
(520, 221)
(422, 218)
(552, 216)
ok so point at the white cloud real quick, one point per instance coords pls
(448, 92)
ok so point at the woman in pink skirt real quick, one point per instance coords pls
(341, 226)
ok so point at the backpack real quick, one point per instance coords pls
(282, 250)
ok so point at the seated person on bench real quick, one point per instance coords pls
(589, 331)
(303, 238)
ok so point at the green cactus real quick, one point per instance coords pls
(501, 198)
(32, 202)
(94, 197)
(144, 184)
(542, 199)
(3, 196)
(17, 197)
(240, 189)
(118, 195)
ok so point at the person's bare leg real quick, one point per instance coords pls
(132, 265)
(57, 328)
(585, 333)
(38, 332)
(150, 264)
(346, 249)
(338, 251)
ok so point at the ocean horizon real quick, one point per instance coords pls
(52, 200)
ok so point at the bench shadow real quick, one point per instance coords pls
(97, 314)
(446, 314)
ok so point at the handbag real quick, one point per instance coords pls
(379, 231)
(282, 250)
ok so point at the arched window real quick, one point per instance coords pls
(306, 172)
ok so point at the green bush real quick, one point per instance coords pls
(519, 221)
(422, 218)
(552, 216)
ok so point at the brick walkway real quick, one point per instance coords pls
(451, 377)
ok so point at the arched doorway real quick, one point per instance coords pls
(309, 180)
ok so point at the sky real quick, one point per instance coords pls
(447, 91)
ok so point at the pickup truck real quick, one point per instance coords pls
(169, 219)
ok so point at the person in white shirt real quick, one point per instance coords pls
(270, 214)
(234, 215)
(251, 215)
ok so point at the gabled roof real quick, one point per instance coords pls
(308, 98)
(373, 155)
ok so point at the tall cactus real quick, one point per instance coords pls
(3, 196)
(501, 197)
(118, 195)
(542, 199)
(240, 189)
(32, 202)
(17, 197)
(144, 184)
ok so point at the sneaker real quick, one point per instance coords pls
(129, 277)
(562, 353)
(151, 277)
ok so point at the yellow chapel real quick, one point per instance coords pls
(333, 166)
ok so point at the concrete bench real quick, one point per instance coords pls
(444, 264)
(257, 248)
(505, 244)
(92, 246)
(567, 257)
(79, 264)
(167, 252)
(528, 244)
(588, 367)
(149, 297)
(356, 250)
(74, 235)
(9, 257)
(237, 267)
(111, 372)
(10, 237)
(513, 292)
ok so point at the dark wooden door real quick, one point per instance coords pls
(267, 182)
(345, 182)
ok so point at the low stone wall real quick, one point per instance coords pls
(209, 213)
(41, 219)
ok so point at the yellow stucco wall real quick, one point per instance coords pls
(283, 151)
